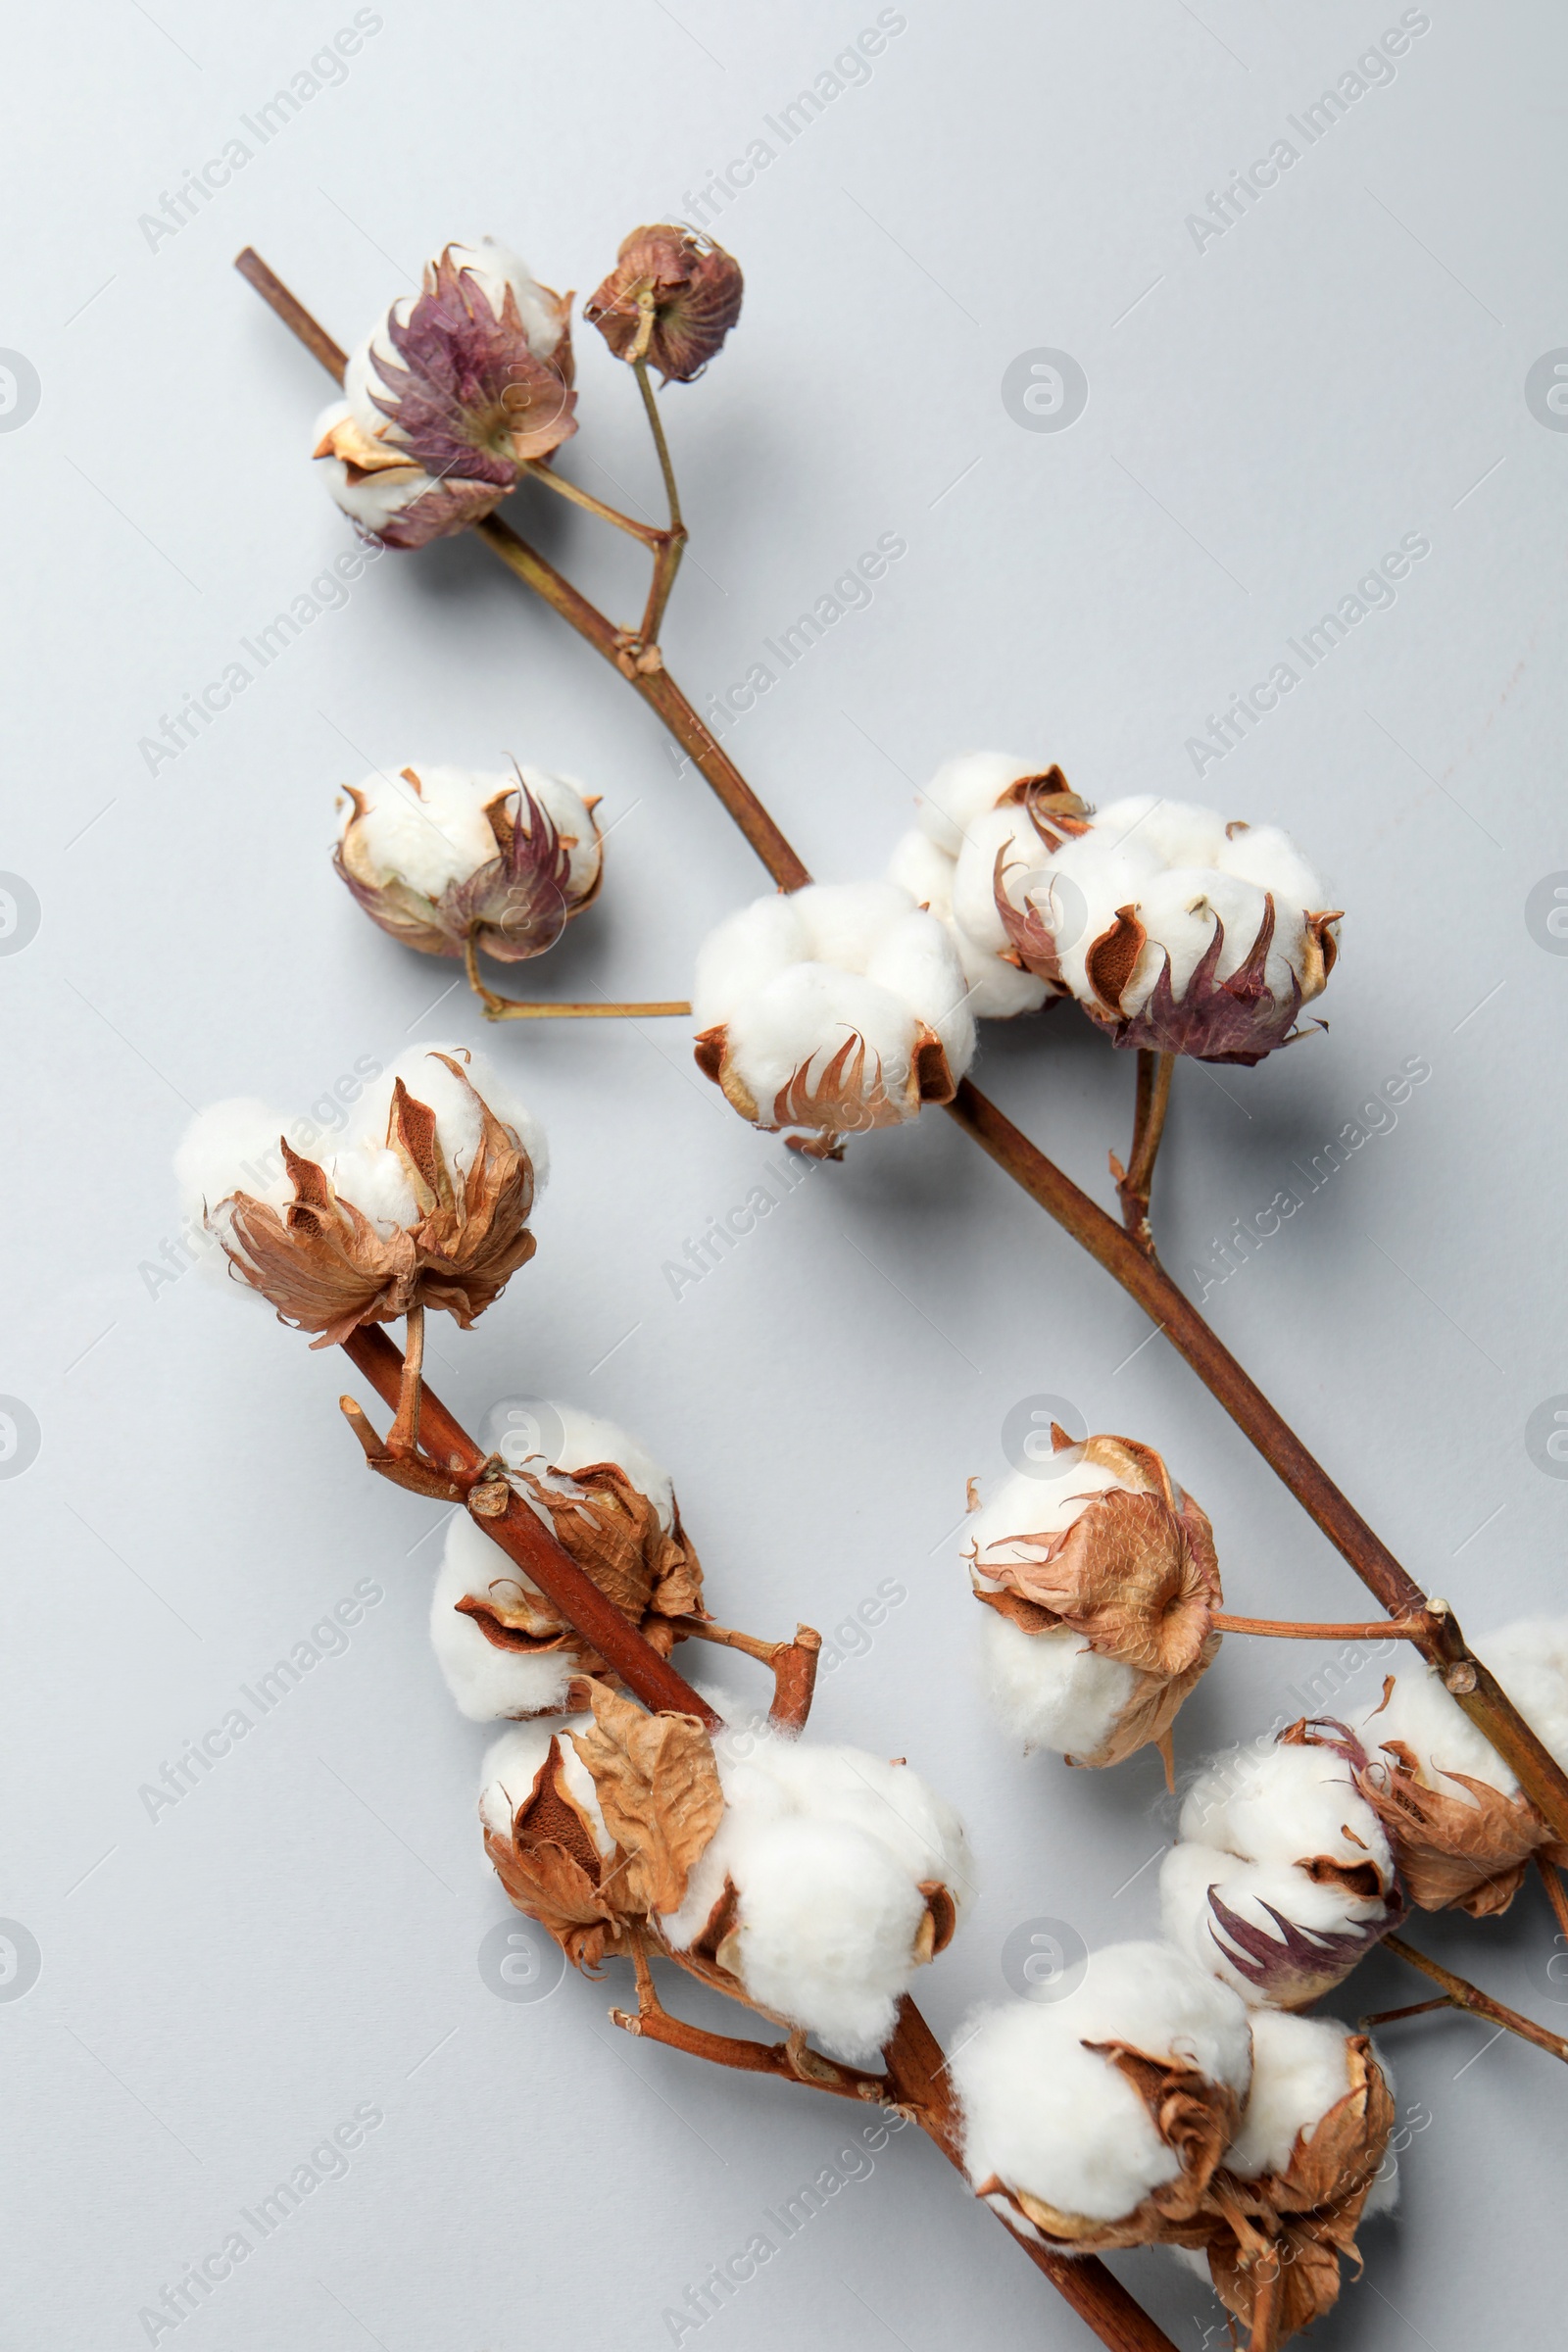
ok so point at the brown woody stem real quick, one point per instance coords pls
(1390, 1629)
(1465, 1677)
(1389, 2017)
(1134, 1183)
(513, 1008)
(1464, 1995)
(403, 1438)
(793, 1664)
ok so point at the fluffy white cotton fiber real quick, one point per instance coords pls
(437, 831)
(1299, 2071)
(1046, 2115)
(1051, 1690)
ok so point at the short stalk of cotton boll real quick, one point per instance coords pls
(442, 856)
(449, 397)
(1463, 1828)
(504, 1648)
(839, 1008)
(1100, 1581)
(1098, 2119)
(424, 1202)
(831, 1877)
(1175, 931)
(1308, 2164)
(1283, 1877)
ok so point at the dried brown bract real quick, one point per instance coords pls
(671, 299)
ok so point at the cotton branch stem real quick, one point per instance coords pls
(1135, 1183)
(1387, 1629)
(674, 541)
(1468, 1680)
(1461, 1994)
(1556, 1894)
(516, 1009)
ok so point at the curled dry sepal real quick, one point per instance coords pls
(808, 1882)
(1283, 1876)
(1175, 930)
(443, 855)
(1101, 1583)
(1147, 2107)
(504, 1648)
(1461, 1828)
(449, 395)
(671, 299)
(425, 1203)
(835, 1009)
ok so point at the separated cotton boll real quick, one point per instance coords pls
(671, 299)
(1104, 1574)
(425, 1201)
(448, 398)
(1175, 931)
(831, 1877)
(1284, 1877)
(1098, 2119)
(1302, 2171)
(1462, 1828)
(442, 856)
(502, 1647)
(839, 1008)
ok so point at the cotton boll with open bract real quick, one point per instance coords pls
(502, 1647)
(997, 990)
(1056, 2132)
(965, 788)
(366, 1171)
(1288, 1802)
(511, 1766)
(834, 1875)
(1268, 1928)
(838, 1009)
(1420, 1712)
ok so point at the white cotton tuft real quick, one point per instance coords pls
(1270, 861)
(1051, 1690)
(827, 1848)
(1285, 1804)
(997, 990)
(915, 963)
(1048, 2116)
(1438, 1732)
(1170, 832)
(1300, 2069)
(511, 1764)
(965, 788)
(1529, 1659)
(1039, 1502)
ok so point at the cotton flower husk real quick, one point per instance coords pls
(426, 1202)
(1175, 932)
(838, 1008)
(1296, 2182)
(1097, 2121)
(441, 855)
(546, 1835)
(1283, 1877)
(450, 395)
(695, 288)
(1107, 1556)
(504, 1648)
(1461, 1828)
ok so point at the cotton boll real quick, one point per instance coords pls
(1039, 1504)
(1078, 893)
(925, 871)
(1529, 1659)
(232, 1146)
(496, 270)
(1049, 2116)
(1051, 1690)
(458, 1124)
(748, 949)
(915, 962)
(585, 1439)
(962, 789)
(511, 1765)
(1008, 834)
(1299, 2071)
(997, 990)
(1180, 909)
(1420, 1713)
(847, 923)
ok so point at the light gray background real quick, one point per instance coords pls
(1266, 417)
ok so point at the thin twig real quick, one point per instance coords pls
(1386, 1629)
(1465, 1995)
(1466, 1677)
(1556, 1894)
(649, 533)
(667, 561)
(518, 1008)
(1134, 1183)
